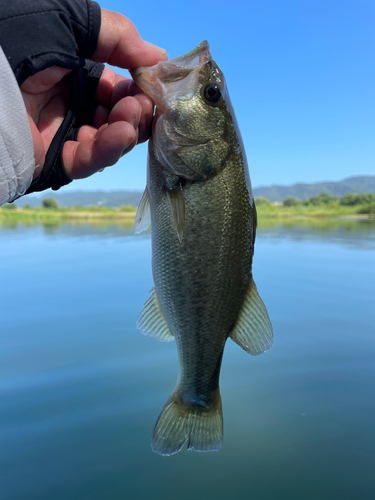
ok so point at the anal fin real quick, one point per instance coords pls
(151, 321)
(253, 330)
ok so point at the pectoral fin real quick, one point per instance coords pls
(176, 200)
(253, 331)
(143, 217)
(151, 321)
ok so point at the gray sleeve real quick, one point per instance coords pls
(17, 162)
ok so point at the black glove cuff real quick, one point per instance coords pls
(84, 82)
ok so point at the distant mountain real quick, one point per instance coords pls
(358, 184)
(84, 198)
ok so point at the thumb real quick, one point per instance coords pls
(120, 44)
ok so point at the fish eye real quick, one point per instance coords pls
(212, 92)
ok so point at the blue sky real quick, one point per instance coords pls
(301, 77)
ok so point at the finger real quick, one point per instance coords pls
(87, 132)
(147, 114)
(138, 111)
(122, 88)
(82, 159)
(120, 44)
(100, 116)
(128, 110)
(113, 87)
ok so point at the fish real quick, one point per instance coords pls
(199, 201)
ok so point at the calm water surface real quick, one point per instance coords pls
(81, 388)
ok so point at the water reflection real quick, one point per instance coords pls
(53, 226)
(102, 229)
(346, 231)
(80, 388)
(352, 232)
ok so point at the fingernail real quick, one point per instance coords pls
(163, 53)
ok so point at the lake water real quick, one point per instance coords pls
(81, 388)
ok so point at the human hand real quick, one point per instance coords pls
(123, 116)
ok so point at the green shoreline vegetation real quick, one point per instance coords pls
(51, 214)
(322, 206)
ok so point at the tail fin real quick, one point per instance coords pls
(181, 421)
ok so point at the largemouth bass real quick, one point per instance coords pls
(203, 220)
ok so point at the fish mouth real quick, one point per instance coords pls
(201, 51)
(154, 80)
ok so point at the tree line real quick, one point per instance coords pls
(350, 199)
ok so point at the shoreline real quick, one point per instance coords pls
(126, 217)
